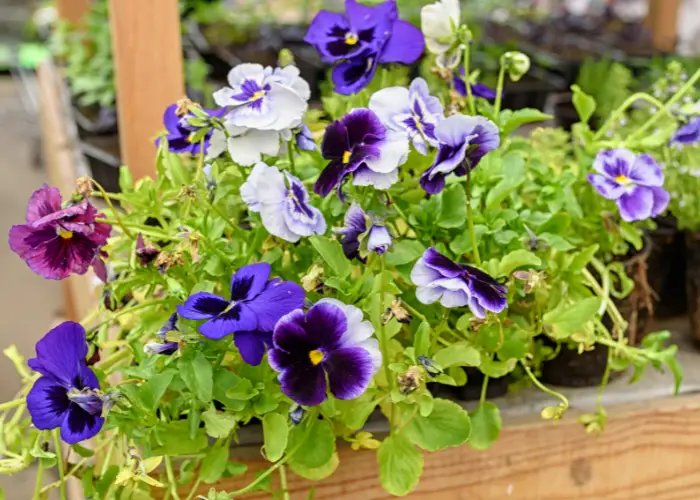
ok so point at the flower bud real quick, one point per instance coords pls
(516, 63)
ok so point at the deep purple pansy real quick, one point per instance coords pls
(456, 285)
(359, 144)
(362, 38)
(329, 346)
(145, 253)
(57, 242)
(464, 141)
(255, 306)
(66, 395)
(180, 130)
(478, 89)
(688, 134)
(361, 229)
(635, 182)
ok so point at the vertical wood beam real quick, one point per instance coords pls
(148, 71)
(73, 11)
(663, 21)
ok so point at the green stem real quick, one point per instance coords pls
(200, 161)
(543, 388)
(499, 93)
(384, 342)
(413, 310)
(673, 100)
(230, 224)
(146, 230)
(59, 460)
(617, 318)
(484, 387)
(467, 83)
(470, 218)
(142, 305)
(105, 196)
(619, 112)
(11, 404)
(171, 477)
(39, 481)
(196, 484)
(290, 153)
(283, 483)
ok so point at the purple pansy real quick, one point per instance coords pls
(456, 285)
(412, 111)
(360, 228)
(361, 39)
(283, 203)
(256, 304)
(66, 394)
(329, 346)
(688, 134)
(478, 89)
(145, 253)
(305, 140)
(634, 182)
(464, 141)
(57, 242)
(180, 130)
(359, 144)
(165, 348)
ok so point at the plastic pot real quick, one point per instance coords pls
(102, 155)
(692, 282)
(471, 391)
(667, 268)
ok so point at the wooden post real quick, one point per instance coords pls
(73, 11)
(148, 72)
(663, 21)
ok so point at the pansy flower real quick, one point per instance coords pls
(329, 347)
(456, 285)
(263, 98)
(360, 145)
(251, 313)
(283, 203)
(361, 39)
(57, 242)
(634, 182)
(180, 130)
(246, 146)
(688, 134)
(412, 111)
(65, 396)
(362, 229)
(478, 89)
(464, 141)
(304, 139)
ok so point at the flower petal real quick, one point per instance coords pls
(326, 324)
(423, 274)
(661, 199)
(606, 187)
(440, 263)
(249, 281)
(290, 336)
(364, 176)
(393, 152)
(429, 294)
(265, 185)
(405, 45)
(248, 147)
(349, 371)
(614, 162)
(636, 205)
(78, 425)
(47, 403)
(252, 345)
(61, 353)
(454, 298)
(646, 172)
(304, 384)
(239, 318)
(389, 102)
(351, 76)
(274, 302)
(202, 305)
(44, 201)
(358, 329)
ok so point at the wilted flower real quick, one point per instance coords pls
(439, 24)
(688, 134)
(634, 182)
(262, 98)
(516, 63)
(412, 111)
(255, 305)
(360, 228)
(464, 141)
(56, 242)
(359, 144)
(331, 341)
(409, 380)
(65, 395)
(169, 326)
(145, 254)
(165, 348)
(456, 285)
(180, 130)
(283, 203)
(305, 139)
(361, 39)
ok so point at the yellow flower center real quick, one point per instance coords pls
(351, 38)
(418, 123)
(316, 357)
(258, 95)
(346, 156)
(622, 179)
(66, 235)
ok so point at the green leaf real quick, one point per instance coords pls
(585, 105)
(197, 373)
(82, 451)
(106, 480)
(513, 176)
(214, 463)
(400, 465)
(316, 473)
(332, 253)
(176, 171)
(243, 390)
(404, 252)
(458, 355)
(421, 342)
(497, 369)
(567, 319)
(218, 425)
(173, 438)
(446, 425)
(275, 434)
(126, 180)
(316, 444)
(153, 390)
(486, 425)
(356, 412)
(582, 259)
(516, 259)
(511, 120)
(454, 207)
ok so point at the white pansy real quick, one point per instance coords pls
(439, 23)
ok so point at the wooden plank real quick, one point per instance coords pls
(648, 451)
(148, 71)
(663, 21)
(73, 11)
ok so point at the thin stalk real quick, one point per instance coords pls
(383, 342)
(470, 218)
(131, 309)
(544, 388)
(290, 153)
(59, 460)
(413, 310)
(283, 483)
(617, 318)
(146, 230)
(200, 161)
(221, 214)
(39, 481)
(499, 93)
(111, 207)
(467, 83)
(9, 405)
(171, 477)
(484, 388)
(196, 484)
(619, 112)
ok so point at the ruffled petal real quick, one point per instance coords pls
(61, 353)
(239, 318)
(78, 425)
(249, 281)
(304, 384)
(636, 205)
(202, 305)
(252, 345)
(364, 176)
(290, 336)
(661, 200)
(424, 275)
(646, 172)
(44, 201)
(277, 300)
(349, 371)
(326, 324)
(606, 187)
(405, 45)
(47, 403)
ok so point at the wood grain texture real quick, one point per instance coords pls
(73, 11)
(148, 71)
(649, 451)
(663, 21)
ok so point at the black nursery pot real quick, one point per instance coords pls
(571, 369)
(692, 281)
(102, 155)
(471, 391)
(666, 269)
